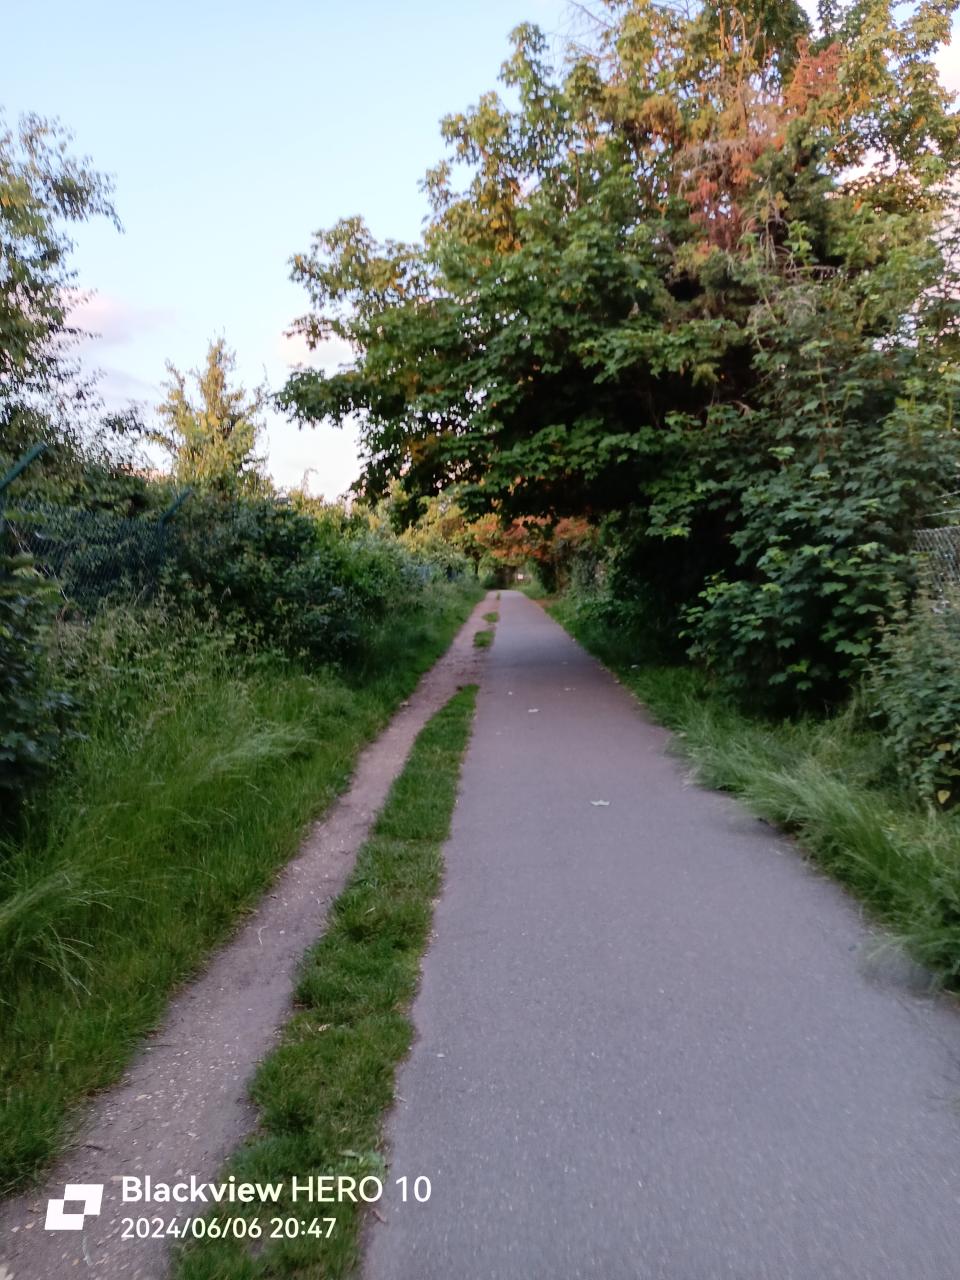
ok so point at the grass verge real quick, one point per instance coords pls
(323, 1092)
(483, 639)
(192, 787)
(533, 589)
(831, 782)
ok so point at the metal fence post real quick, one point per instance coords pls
(22, 465)
(175, 506)
(11, 475)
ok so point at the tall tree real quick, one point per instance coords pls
(212, 439)
(43, 189)
(697, 280)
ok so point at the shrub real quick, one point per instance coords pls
(30, 706)
(301, 584)
(823, 551)
(915, 689)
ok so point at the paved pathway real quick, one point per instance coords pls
(653, 1043)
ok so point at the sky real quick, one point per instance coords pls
(233, 132)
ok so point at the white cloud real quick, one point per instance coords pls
(324, 458)
(292, 350)
(111, 321)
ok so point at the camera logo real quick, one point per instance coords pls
(87, 1195)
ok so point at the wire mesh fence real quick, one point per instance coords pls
(941, 551)
(92, 555)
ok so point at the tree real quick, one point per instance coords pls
(43, 189)
(696, 285)
(212, 440)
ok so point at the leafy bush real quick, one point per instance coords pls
(915, 688)
(30, 705)
(831, 476)
(287, 580)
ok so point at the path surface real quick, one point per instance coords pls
(653, 1043)
(182, 1108)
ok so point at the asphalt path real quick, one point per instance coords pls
(653, 1042)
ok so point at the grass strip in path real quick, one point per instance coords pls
(832, 782)
(324, 1091)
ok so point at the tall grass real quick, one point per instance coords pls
(833, 782)
(195, 776)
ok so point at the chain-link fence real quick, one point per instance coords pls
(941, 548)
(92, 555)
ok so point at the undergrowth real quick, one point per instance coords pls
(196, 771)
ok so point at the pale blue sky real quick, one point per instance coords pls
(233, 131)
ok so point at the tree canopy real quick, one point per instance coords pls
(43, 190)
(699, 281)
(212, 440)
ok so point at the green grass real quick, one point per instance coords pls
(832, 782)
(192, 787)
(483, 639)
(323, 1092)
(492, 616)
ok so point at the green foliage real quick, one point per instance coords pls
(284, 579)
(850, 446)
(701, 280)
(42, 190)
(212, 441)
(31, 705)
(92, 554)
(915, 688)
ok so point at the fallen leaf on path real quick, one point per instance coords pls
(605, 803)
(532, 710)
